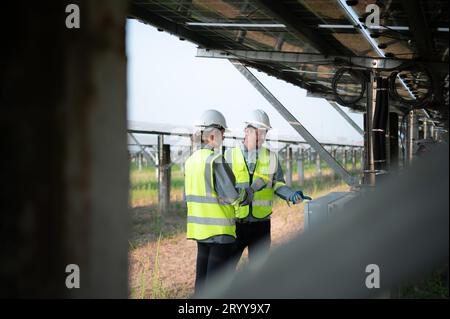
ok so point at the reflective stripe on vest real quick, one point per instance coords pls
(207, 215)
(266, 166)
(211, 221)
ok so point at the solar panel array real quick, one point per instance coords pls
(408, 31)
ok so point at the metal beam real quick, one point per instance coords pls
(346, 117)
(144, 152)
(152, 155)
(379, 27)
(247, 26)
(350, 180)
(236, 25)
(360, 107)
(411, 136)
(310, 58)
(152, 132)
(369, 164)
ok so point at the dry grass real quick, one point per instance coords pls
(169, 272)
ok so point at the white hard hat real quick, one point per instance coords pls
(212, 118)
(259, 119)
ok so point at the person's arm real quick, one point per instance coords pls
(281, 189)
(285, 192)
(224, 184)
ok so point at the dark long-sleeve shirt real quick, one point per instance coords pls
(224, 183)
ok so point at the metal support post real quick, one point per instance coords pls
(300, 167)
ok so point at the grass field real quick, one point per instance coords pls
(164, 266)
(162, 261)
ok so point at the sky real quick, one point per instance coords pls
(168, 84)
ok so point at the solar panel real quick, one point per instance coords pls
(408, 31)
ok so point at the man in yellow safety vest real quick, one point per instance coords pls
(248, 160)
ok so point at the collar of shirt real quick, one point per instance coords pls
(250, 157)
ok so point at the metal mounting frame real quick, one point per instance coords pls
(379, 63)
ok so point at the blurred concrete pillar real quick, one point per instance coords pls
(289, 166)
(437, 135)
(145, 160)
(63, 122)
(411, 136)
(139, 159)
(353, 160)
(361, 158)
(300, 167)
(424, 129)
(393, 141)
(345, 158)
(318, 168)
(164, 177)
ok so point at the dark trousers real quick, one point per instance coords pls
(210, 259)
(255, 236)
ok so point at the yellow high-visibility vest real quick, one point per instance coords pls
(207, 215)
(266, 167)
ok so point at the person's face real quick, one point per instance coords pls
(254, 137)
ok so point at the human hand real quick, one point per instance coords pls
(298, 197)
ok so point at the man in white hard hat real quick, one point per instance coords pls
(212, 198)
(248, 160)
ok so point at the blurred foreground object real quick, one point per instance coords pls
(63, 124)
(391, 227)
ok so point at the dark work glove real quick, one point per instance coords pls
(298, 197)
